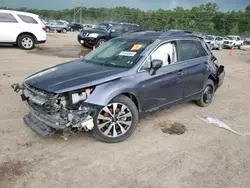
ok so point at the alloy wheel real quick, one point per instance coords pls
(208, 94)
(114, 120)
(27, 42)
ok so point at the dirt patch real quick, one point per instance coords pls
(172, 128)
(62, 52)
(12, 169)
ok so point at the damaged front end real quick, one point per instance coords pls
(50, 113)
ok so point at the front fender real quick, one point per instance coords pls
(104, 93)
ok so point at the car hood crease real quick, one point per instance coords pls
(72, 76)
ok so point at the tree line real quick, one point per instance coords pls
(205, 18)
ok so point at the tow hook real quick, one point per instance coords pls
(17, 87)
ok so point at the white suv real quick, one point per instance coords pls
(21, 29)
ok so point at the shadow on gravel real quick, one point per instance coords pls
(61, 52)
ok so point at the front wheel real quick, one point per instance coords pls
(220, 48)
(117, 121)
(100, 42)
(207, 94)
(26, 42)
(64, 30)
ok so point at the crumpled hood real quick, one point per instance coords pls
(73, 75)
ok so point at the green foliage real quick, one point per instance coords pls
(206, 18)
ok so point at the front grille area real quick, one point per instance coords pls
(84, 34)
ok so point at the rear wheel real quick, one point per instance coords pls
(117, 121)
(47, 30)
(207, 94)
(239, 47)
(26, 42)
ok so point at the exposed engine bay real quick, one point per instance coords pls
(51, 113)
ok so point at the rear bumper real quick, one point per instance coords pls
(41, 41)
(221, 76)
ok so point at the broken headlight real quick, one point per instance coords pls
(80, 96)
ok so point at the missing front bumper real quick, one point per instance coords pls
(38, 127)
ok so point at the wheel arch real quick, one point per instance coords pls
(26, 33)
(102, 96)
(213, 78)
(133, 98)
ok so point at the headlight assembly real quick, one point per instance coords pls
(81, 96)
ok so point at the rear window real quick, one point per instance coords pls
(191, 49)
(7, 18)
(27, 19)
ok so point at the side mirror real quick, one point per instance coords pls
(155, 65)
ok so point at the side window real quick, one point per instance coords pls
(27, 19)
(126, 28)
(7, 18)
(190, 49)
(117, 28)
(166, 53)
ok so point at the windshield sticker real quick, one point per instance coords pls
(136, 47)
(127, 53)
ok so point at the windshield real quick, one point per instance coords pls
(231, 38)
(119, 52)
(102, 26)
(209, 38)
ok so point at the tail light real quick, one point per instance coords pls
(44, 28)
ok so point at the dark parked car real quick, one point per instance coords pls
(75, 27)
(108, 90)
(90, 37)
(246, 41)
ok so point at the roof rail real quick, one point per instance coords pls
(176, 32)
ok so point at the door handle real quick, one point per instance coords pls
(180, 73)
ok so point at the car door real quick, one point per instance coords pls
(9, 27)
(167, 85)
(194, 60)
(116, 31)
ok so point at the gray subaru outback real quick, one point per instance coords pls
(108, 90)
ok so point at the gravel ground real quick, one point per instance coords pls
(203, 156)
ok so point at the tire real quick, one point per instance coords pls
(239, 47)
(71, 29)
(100, 42)
(64, 30)
(26, 42)
(48, 30)
(206, 99)
(220, 48)
(121, 135)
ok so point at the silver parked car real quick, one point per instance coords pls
(215, 42)
(59, 26)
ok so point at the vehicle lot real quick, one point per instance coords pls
(204, 156)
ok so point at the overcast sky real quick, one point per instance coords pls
(224, 5)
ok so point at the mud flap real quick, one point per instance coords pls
(38, 127)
